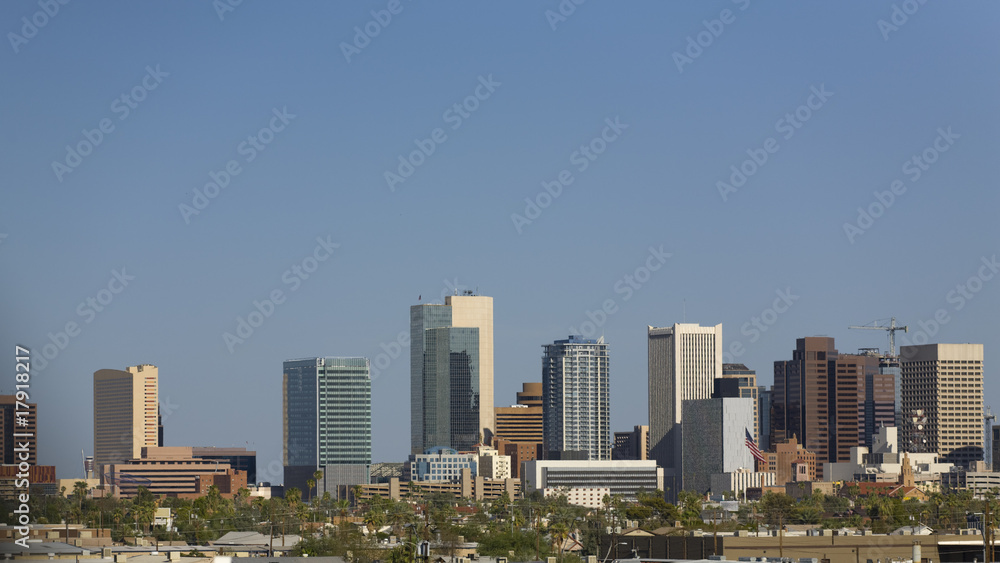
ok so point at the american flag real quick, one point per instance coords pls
(753, 447)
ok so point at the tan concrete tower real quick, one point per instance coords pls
(125, 413)
(476, 311)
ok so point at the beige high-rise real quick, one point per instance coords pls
(476, 311)
(945, 381)
(684, 361)
(125, 408)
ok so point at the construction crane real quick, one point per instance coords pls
(892, 328)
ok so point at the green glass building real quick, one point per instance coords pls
(327, 415)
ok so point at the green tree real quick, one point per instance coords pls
(80, 489)
(690, 506)
(776, 508)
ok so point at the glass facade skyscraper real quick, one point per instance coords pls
(575, 397)
(423, 397)
(327, 414)
(451, 373)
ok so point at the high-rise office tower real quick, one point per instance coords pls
(740, 382)
(764, 394)
(945, 381)
(14, 420)
(451, 373)
(879, 402)
(888, 367)
(684, 361)
(575, 397)
(326, 415)
(819, 398)
(125, 409)
(522, 422)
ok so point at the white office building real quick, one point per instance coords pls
(622, 477)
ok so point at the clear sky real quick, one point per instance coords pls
(647, 111)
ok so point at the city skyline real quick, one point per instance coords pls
(619, 169)
(868, 365)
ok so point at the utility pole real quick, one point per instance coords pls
(781, 535)
(988, 531)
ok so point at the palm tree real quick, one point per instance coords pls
(357, 495)
(318, 476)
(342, 506)
(80, 489)
(293, 496)
(310, 484)
(559, 532)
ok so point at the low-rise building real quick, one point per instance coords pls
(73, 534)
(590, 497)
(442, 464)
(623, 477)
(467, 486)
(38, 478)
(976, 479)
(790, 462)
(492, 464)
(173, 472)
(883, 463)
(519, 453)
(737, 482)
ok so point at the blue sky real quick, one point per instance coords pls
(211, 82)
